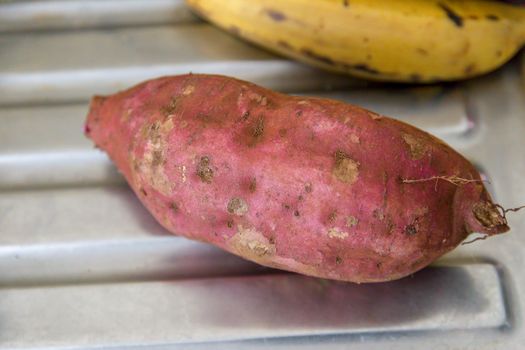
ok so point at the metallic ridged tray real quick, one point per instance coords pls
(84, 266)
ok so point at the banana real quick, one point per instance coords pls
(386, 40)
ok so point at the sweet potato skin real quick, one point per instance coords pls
(308, 185)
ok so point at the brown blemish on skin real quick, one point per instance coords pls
(351, 221)
(276, 15)
(124, 116)
(335, 232)
(296, 213)
(262, 100)
(157, 158)
(188, 90)
(346, 3)
(317, 57)
(332, 217)
(258, 128)
(170, 107)
(487, 214)
(378, 214)
(453, 16)
(283, 132)
(229, 223)
(345, 168)
(204, 170)
(174, 207)
(411, 229)
(245, 116)
(422, 51)
(363, 67)
(308, 187)
(470, 69)
(250, 243)
(416, 146)
(150, 168)
(237, 206)
(338, 260)
(492, 17)
(253, 185)
(284, 44)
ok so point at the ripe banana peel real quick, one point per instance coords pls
(386, 40)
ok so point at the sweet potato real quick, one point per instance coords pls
(310, 185)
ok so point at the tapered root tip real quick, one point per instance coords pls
(488, 215)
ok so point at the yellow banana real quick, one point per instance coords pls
(388, 40)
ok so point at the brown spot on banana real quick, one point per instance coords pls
(275, 15)
(453, 16)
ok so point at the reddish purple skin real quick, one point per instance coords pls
(321, 181)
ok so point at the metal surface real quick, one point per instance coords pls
(84, 266)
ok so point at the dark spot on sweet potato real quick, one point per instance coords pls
(157, 158)
(308, 187)
(422, 51)
(474, 17)
(284, 44)
(143, 191)
(277, 16)
(300, 197)
(299, 113)
(345, 168)
(453, 16)
(410, 229)
(286, 206)
(204, 169)
(379, 265)
(170, 108)
(87, 129)
(351, 221)
(416, 145)
(492, 17)
(237, 206)
(258, 128)
(174, 207)
(338, 260)
(282, 132)
(245, 116)
(332, 217)
(378, 214)
(271, 240)
(296, 213)
(317, 57)
(346, 3)
(229, 223)
(253, 185)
